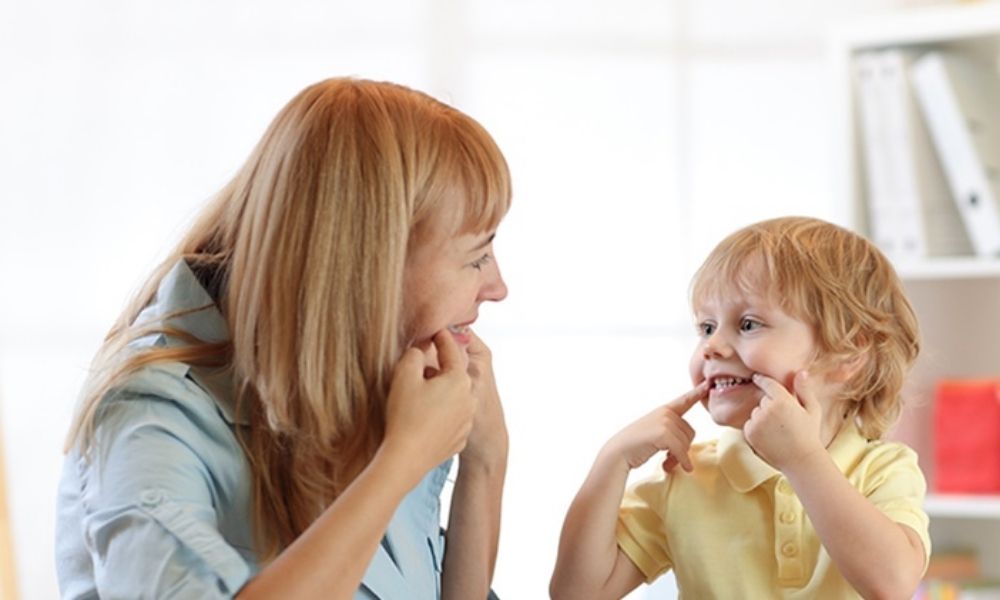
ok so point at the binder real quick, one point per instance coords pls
(960, 99)
(911, 211)
(930, 221)
(874, 137)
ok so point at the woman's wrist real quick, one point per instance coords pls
(489, 462)
(402, 464)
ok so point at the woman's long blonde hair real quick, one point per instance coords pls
(308, 244)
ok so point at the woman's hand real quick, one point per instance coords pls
(662, 429)
(488, 442)
(429, 412)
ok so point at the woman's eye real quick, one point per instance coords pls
(479, 263)
(748, 324)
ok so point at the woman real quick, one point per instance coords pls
(275, 413)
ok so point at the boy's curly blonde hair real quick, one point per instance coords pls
(843, 286)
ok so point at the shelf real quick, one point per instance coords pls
(965, 267)
(954, 297)
(929, 25)
(963, 506)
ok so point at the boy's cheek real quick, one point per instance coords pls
(696, 368)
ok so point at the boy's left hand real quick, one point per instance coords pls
(785, 428)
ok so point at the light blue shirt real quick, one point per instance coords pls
(162, 507)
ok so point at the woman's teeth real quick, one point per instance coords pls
(725, 382)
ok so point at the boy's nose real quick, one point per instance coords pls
(716, 347)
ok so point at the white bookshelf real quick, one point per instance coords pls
(942, 268)
(962, 506)
(957, 299)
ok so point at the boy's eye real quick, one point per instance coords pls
(748, 324)
(706, 328)
(479, 263)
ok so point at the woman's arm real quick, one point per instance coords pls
(427, 421)
(329, 559)
(474, 521)
(473, 530)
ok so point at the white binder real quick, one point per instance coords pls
(874, 137)
(911, 211)
(960, 100)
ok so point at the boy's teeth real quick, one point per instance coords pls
(724, 382)
(457, 329)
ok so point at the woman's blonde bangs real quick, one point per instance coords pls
(470, 166)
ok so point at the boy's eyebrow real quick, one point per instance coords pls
(485, 242)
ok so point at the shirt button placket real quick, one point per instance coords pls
(787, 533)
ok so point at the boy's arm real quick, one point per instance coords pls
(589, 563)
(879, 557)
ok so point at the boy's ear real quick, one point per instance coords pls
(844, 369)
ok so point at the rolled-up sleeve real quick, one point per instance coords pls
(148, 499)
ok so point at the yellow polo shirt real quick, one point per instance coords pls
(734, 528)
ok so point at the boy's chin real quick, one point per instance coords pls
(730, 418)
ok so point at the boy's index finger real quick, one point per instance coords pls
(768, 385)
(684, 402)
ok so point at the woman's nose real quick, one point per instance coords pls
(494, 289)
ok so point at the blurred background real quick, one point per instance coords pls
(638, 132)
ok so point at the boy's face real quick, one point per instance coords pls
(739, 335)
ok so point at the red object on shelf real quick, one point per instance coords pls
(967, 436)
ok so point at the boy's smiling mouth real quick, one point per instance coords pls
(723, 383)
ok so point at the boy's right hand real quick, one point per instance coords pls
(662, 429)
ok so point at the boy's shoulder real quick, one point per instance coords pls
(877, 455)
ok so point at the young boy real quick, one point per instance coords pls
(805, 337)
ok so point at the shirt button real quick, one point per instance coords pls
(784, 487)
(787, 517)
(789, 550)
(151, 497)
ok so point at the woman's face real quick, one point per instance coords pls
(447, 277)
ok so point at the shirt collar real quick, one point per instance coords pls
(189, 307)
(745, 470)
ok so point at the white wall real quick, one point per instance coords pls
(639, 133)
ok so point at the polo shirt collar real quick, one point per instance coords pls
(740, 464)
(182, 303)
(745, 470)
